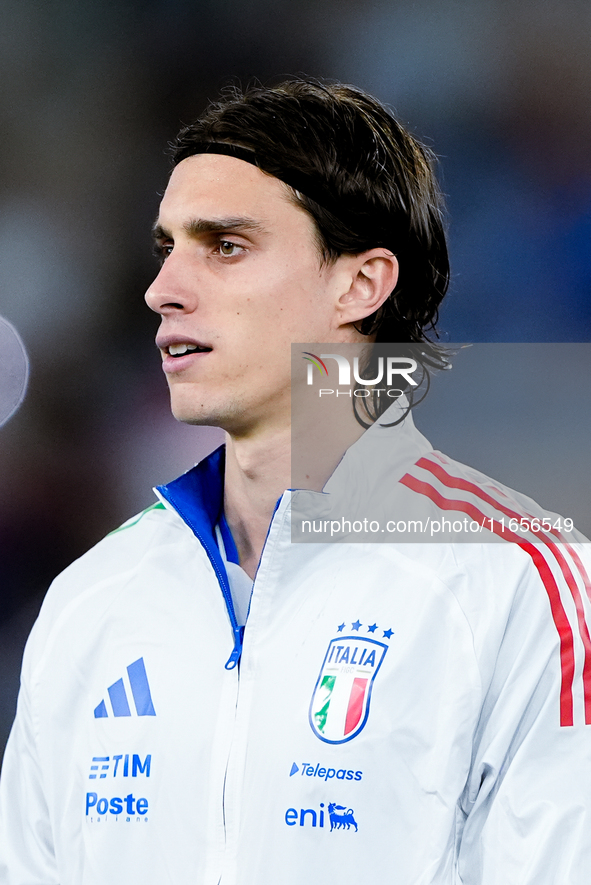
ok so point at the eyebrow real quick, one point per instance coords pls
(197, 226)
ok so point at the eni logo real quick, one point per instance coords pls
(340, 817)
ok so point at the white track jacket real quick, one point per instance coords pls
(414, 714)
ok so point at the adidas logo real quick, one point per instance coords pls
(118, 695)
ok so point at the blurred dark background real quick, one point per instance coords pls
(91, 92)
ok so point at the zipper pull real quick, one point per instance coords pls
(237, 650)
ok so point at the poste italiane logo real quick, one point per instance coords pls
(341, 698)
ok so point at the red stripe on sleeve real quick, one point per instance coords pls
(565, 635)
(465, 485)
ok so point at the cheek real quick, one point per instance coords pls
(297, 306)
(280, 301)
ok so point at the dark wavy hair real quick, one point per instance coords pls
(364, 179)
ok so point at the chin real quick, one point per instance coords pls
(192, 416)
(187, 406)
(187, 411)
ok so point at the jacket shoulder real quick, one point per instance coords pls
(123, 547)
(109, 566)
(444, 486)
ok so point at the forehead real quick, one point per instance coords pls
(212, 185)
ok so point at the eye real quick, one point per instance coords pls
(228, 249)
(162, 250)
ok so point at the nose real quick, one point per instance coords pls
(167, 294)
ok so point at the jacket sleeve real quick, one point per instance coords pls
(26, 843)
(526, 809)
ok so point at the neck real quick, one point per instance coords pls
(257, 474)
(260, 467)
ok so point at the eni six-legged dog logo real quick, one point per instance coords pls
(341, 818)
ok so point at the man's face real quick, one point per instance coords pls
(241, 280)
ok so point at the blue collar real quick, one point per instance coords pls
(198, 498)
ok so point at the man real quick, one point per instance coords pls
(362, 712)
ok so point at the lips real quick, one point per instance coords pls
(176, 345)
(176, 350)
(178, 353)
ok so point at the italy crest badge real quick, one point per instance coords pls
(341, 698)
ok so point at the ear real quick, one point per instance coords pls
(372, 277)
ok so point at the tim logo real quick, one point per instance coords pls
(340, 703)
(341, 818)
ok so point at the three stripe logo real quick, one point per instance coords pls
(118, 696)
